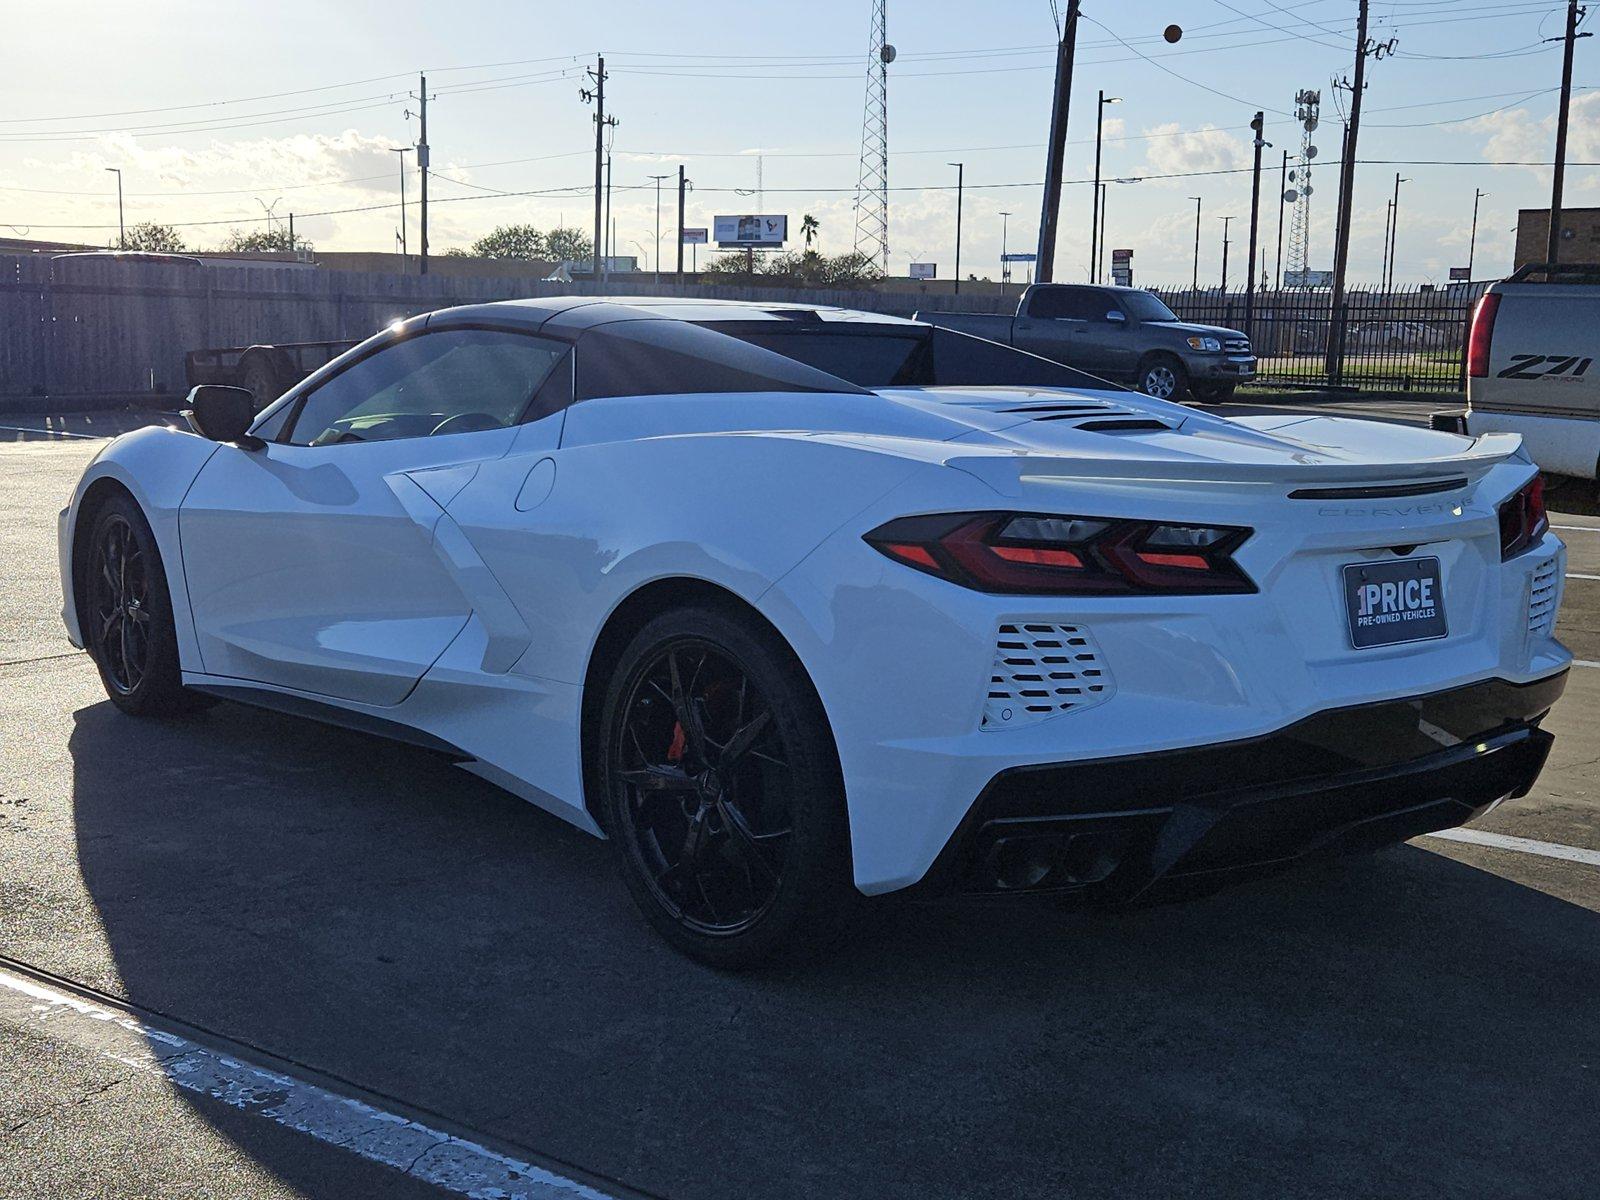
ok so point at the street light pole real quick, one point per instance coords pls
(402, 151)
(1095, 252)
(1283, 190)
(1394, 228)
(961, 172)
(1005, 267)
(658, 179)
(1196, 284)
(122, 233)
(1472, 245)
(1383, 269)
(1224, 221)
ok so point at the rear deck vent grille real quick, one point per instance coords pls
(1042, 669)
(1132, 425)
(1543, 593)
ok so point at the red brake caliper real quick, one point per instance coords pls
(679, 740)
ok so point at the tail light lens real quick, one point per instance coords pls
(1481, 335)
(1523, 520)
(1034, 554)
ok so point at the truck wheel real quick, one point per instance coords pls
(1162, 377)
(262, 381)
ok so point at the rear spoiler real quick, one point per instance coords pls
(1006, 472)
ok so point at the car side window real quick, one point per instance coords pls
(1049, 303)
(450, 381)
(1071, 304)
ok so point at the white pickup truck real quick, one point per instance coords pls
(1530, 366)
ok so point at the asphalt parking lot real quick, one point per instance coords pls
(359, 916)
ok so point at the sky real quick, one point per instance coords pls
(217, 112)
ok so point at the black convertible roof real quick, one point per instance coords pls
(573, 314)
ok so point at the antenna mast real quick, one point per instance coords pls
(872, 183)
(1307, 110)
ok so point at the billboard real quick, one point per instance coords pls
(737, 233)
(1307, 279)
(695, 237)
(1460, 274)
(924, 270)
(1018, 257)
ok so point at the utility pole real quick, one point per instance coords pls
(1283, 191)
(597, 96)
(1256, 127)
(1045, 266)
(1196, 285)
(611, 233)
(1394, 229)
(1347, 183)
(422, 172)
(122, 233)
(680, 225)
(658, 179)
(291, 233)
(1553, 245)
(1224, 221)
(1472, 245)
(961, 172)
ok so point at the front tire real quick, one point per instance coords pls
(722, 791)
(1162, 377)
(1217, 393)
(127, 610)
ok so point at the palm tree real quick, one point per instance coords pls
(808, 229)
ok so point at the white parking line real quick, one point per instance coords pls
(1575, 575)
(1500, 841)
(1577, 528)
(1584, 662)
(444, 1160)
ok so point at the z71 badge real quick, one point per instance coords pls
(1545, 366)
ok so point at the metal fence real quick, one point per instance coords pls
(1401, 340)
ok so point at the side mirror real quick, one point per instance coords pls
(223, 414)
(1117, 315)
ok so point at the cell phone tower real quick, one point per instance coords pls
(872, 183)
(1307, 110)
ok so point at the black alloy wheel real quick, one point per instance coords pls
(119, 586)
(722, 791)
(126, 613)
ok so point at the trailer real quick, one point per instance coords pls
(266, 370)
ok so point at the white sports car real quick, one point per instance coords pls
(798, 604)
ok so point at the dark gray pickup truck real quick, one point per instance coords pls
(1123, 334)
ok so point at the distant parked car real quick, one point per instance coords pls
(1121, 334)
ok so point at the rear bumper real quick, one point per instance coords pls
(1184, 820)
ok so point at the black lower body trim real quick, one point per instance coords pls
(1179, 821)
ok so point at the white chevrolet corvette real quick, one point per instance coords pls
(798, 604)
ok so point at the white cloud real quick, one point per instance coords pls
(1173, 151)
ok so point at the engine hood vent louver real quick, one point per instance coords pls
(1129, 425)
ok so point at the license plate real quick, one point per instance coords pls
(1392, 602)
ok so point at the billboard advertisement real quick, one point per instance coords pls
(694, 237)
(737, 233)
(924, 270)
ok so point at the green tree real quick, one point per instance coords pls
(568, 245)
(147, 235)
(257, 241)
(809, 228)
(512, 241)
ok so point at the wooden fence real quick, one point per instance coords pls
(73, 330)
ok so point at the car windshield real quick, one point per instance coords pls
(1143, 306)
(878, 356)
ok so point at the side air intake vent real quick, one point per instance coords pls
(1041, 670)
(1543, 593)
(1131, 425)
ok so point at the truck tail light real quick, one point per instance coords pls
(1523, 520)
(1036, 554)
(1481, 335)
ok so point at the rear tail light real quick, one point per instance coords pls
(1523, 520)
(1481, 335)
(1031, 554)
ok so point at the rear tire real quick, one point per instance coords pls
(127, 615)
(1162, 377)
(722, 791)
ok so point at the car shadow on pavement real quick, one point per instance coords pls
(1396, 1025)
